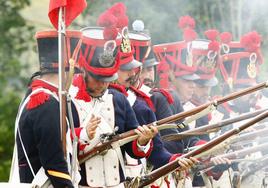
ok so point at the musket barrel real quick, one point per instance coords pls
(244, 152)
(182, 115)
(166, 169)
(210, 127)
(221, 100)
(252, 135)
(236, 154)
(242, 92)
(260, 165)
(62, 93)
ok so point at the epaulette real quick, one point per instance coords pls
(119, 88)
(145, 97)
(38, 98)
(164, 92)
(79, 82)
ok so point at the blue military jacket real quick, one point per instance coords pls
(39, 127)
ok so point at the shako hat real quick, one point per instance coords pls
(204, 54)
(126, 51)
(140, 41)
(239, 67)
(99, 49)
(173, 56)
(47, 43)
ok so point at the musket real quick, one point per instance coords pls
(240, 139)
(131, 135)
(234, 155)
(170, 167)
(255, 167)
(108, 141)
(61, 69)
(261, 133)
(211, 127)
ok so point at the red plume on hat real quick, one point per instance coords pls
(118, 10)
(251, 41)
(98, 55)
(122, 22)
(186, 22)
(212, 35)
(226, 37)
(214, 46)
(108, 21)
(189, 34)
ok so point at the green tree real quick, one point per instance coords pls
(15, 38)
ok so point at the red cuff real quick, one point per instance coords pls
(139, 153)
(174, 157)
(216, 175)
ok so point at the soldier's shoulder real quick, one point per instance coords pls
(40, 98)
(161, 93)
(115, 89)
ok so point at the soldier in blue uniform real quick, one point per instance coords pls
(38, 131)
(141, 103)
(177, 71)
(160, 98)
(176, 75)
(99, 62)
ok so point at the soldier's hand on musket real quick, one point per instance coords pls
(145, 133)
(92, 126)
(186, 163)
(220, 160)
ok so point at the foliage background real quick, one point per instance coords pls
(19, 19)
